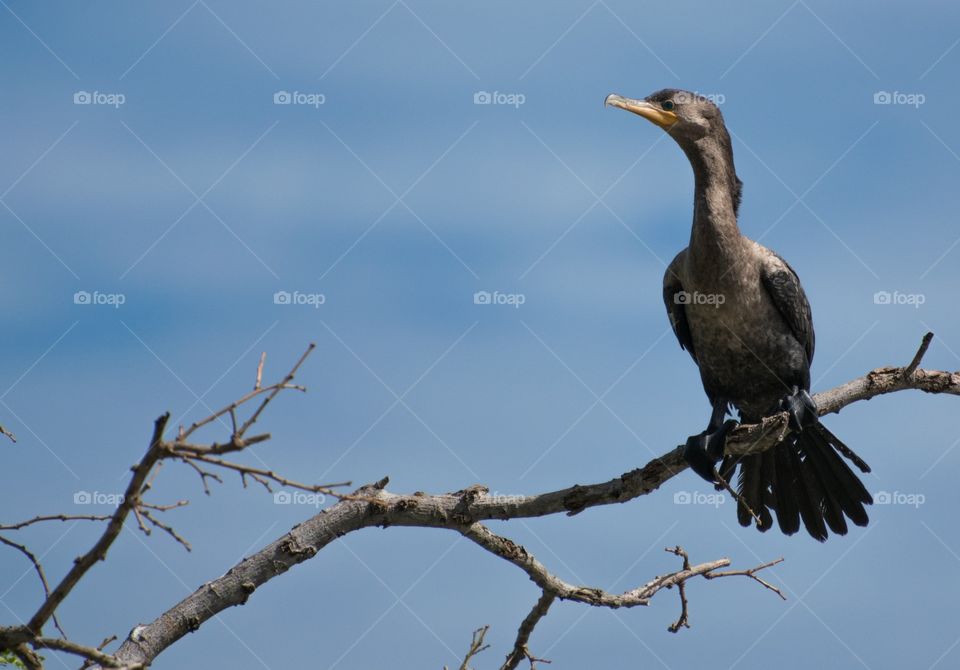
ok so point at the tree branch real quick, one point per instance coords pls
(88, 653)
(20, 639)
(462, 511)
(373, 505)
(520, 650)
(99, 550)
(476, 646)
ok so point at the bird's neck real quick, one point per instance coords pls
(715, 237)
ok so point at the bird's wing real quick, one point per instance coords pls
(783, 287)
(676, 309)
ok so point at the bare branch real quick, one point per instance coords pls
(279, 387)
(259, 382)
(165, 508)
(106, 641)
(263, 476)
(915, 363)
(736, 496)
(55, 517)
(520, 649)
(204, 474)
(30, 660)
(751, 573)
(462, 511)
(270, 391)
(38, 568)
(476, 646)
(538, 573)
(88, 653)
(98, 552)
(165, 528)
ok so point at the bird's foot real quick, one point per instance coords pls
(702, 452)
(801, 407)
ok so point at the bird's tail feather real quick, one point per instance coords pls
(802, 478)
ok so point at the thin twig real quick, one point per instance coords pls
(55, 517)
(279, 387)
(476, 646)
(98, 552)
(917, 357)
(683, 621)
(259, 382)
(167, 529)
(261, 475)
(89, 653)
(38, 568)
(751, 573)
(204, 474)
(165, 508)
(520, 649)
(736, 496)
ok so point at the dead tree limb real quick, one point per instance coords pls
(373, 506)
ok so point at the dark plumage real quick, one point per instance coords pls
(738, 308)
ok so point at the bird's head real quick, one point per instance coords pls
(686, 116)
(696, 124)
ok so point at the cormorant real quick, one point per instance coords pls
(739, 310)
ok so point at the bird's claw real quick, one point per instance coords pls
(801, 408)
(703, 451)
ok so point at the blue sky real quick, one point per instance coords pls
(396, 199)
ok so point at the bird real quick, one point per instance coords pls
(739, 310)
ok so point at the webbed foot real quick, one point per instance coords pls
(702, 452)
(801, 407)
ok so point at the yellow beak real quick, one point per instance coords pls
(650, 112)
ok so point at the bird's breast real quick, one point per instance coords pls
(744, 348)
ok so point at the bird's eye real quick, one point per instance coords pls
(667, 105)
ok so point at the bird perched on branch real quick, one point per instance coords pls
(739, 310)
